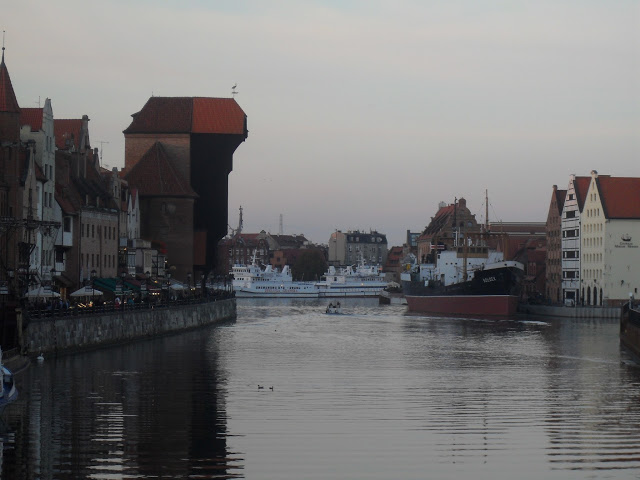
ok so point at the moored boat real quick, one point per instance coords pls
(253, 281)
(361, 281)
(9, 391)
(484, 285)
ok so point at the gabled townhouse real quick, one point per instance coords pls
(36, 124)
(610, 240)
(88, 201)
(553, 259)
(447, 228)
(571, 246)
(21, 199)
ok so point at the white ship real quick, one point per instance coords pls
(253, 281)
(363, 281)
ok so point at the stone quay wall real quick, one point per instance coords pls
(69, 333)
(571, 312)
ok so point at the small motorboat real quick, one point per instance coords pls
(9, 392)
(333, 309)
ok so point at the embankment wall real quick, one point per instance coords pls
(66, 334)
(571, 312)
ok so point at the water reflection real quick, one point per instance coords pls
(150, 409)
(371, 394)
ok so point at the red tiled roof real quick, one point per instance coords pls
(560, 196)
(155, 176)
(65, 202)
(67, 130)
(581, 186)
(8, 102)
(217, 115)
(620, 196)
(31, 117)
(163, 115)
(189, 115)
(438, 221)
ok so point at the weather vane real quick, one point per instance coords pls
(234, 92)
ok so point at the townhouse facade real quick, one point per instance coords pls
(347, 248)
(610, 241)
(554, 246)
(447, 229)
(571, 245)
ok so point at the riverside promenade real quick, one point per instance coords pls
(65, 331)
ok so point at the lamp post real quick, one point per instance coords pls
(93, 278)
(123, 275)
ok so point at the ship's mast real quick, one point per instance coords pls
(486, 212)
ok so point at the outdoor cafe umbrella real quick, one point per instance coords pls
(41, 292)
(86, 292)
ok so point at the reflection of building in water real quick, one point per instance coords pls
(151, 409)
(592, 417)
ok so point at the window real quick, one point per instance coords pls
(570, 214)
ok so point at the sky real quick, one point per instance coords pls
(362, 114)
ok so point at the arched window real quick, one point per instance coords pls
(600, 297)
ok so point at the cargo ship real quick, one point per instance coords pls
(464, 281)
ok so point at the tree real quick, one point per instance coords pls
(310, 265)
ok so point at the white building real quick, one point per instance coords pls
(571, 214)
(610, 240)
(36, 125)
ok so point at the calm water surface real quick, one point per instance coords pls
(287, 392)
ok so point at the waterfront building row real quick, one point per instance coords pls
(66, 220)
(593, 229)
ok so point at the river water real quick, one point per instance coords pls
(287, 392)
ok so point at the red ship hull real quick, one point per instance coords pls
(475, 305)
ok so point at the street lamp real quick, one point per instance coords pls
(93, 279)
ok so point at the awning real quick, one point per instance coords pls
(110, 285)
(87, 292)
(41, 292)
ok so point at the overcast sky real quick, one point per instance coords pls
(362, 114)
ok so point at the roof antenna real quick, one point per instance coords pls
(234, 92)
(3, 46)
